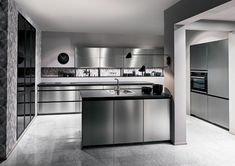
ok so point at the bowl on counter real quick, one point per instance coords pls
(146, 90)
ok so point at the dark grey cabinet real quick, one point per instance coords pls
(128, 121)
(156, 120)
(218, 68)
(97, 123)
(198, 56)
(198, 105)
(218, 111)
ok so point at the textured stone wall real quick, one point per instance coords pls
(3, 75)
(8, 72)
(12, 75)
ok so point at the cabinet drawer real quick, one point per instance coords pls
(59, 96)
(55, 108)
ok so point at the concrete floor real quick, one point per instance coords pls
(55, 140)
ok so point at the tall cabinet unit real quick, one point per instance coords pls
(26, 74)
(213, 105)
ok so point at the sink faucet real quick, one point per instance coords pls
(118, 87)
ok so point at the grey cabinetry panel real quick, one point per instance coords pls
(135, 61)
(88, 57)
(198, 57)
(128, 121)
(97, 123)
(156, 120)
(218, 68)
(218, 111)
(199, 105)
(111, 57)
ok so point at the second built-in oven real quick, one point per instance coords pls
(199, 81)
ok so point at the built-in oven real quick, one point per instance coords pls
(199, 81)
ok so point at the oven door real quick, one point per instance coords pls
(199, 83)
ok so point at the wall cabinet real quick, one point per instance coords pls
(111, 57)
(156, 120)
(116, 57)
(128, 121)
(88, 57)
(198, 56)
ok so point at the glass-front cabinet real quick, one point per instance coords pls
(26, 74)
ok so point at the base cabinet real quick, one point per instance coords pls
(199, 105)
(128, 121)
(218, 111)
(97, 123)
(125, 121)
(156, 120)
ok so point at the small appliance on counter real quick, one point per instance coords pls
(146, 90)
(157, 89)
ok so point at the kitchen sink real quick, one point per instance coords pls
(122, 91)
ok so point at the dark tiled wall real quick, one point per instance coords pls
(3, 74)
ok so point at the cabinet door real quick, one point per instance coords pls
(135, 61)
(198, 57)
(128, 121)
(154, 61)
(218, 68)
(198, 104)
(97, 123)
(88, 57)
(111, 57)
(156, 120)
(218, 111)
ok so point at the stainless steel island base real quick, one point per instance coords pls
(112, 121)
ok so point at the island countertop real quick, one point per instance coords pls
(103, 83)
(106, 95)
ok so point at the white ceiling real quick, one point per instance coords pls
(98, 16)
(224, 15)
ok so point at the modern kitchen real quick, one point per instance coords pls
(131, 83)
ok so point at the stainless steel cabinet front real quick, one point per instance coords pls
(128, 121)
(88, 57)
(198, 105)
(218, 68)
(97, 123)
(156, 120)
(111, 57)
(58, 107)
(218, 111)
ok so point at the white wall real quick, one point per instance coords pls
(231, 82)
(52, 46)
(197, 37)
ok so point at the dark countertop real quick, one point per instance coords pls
(47, 84)
(105, 95)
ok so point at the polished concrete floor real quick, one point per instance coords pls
(55, 141)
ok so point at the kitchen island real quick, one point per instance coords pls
(127, 118)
